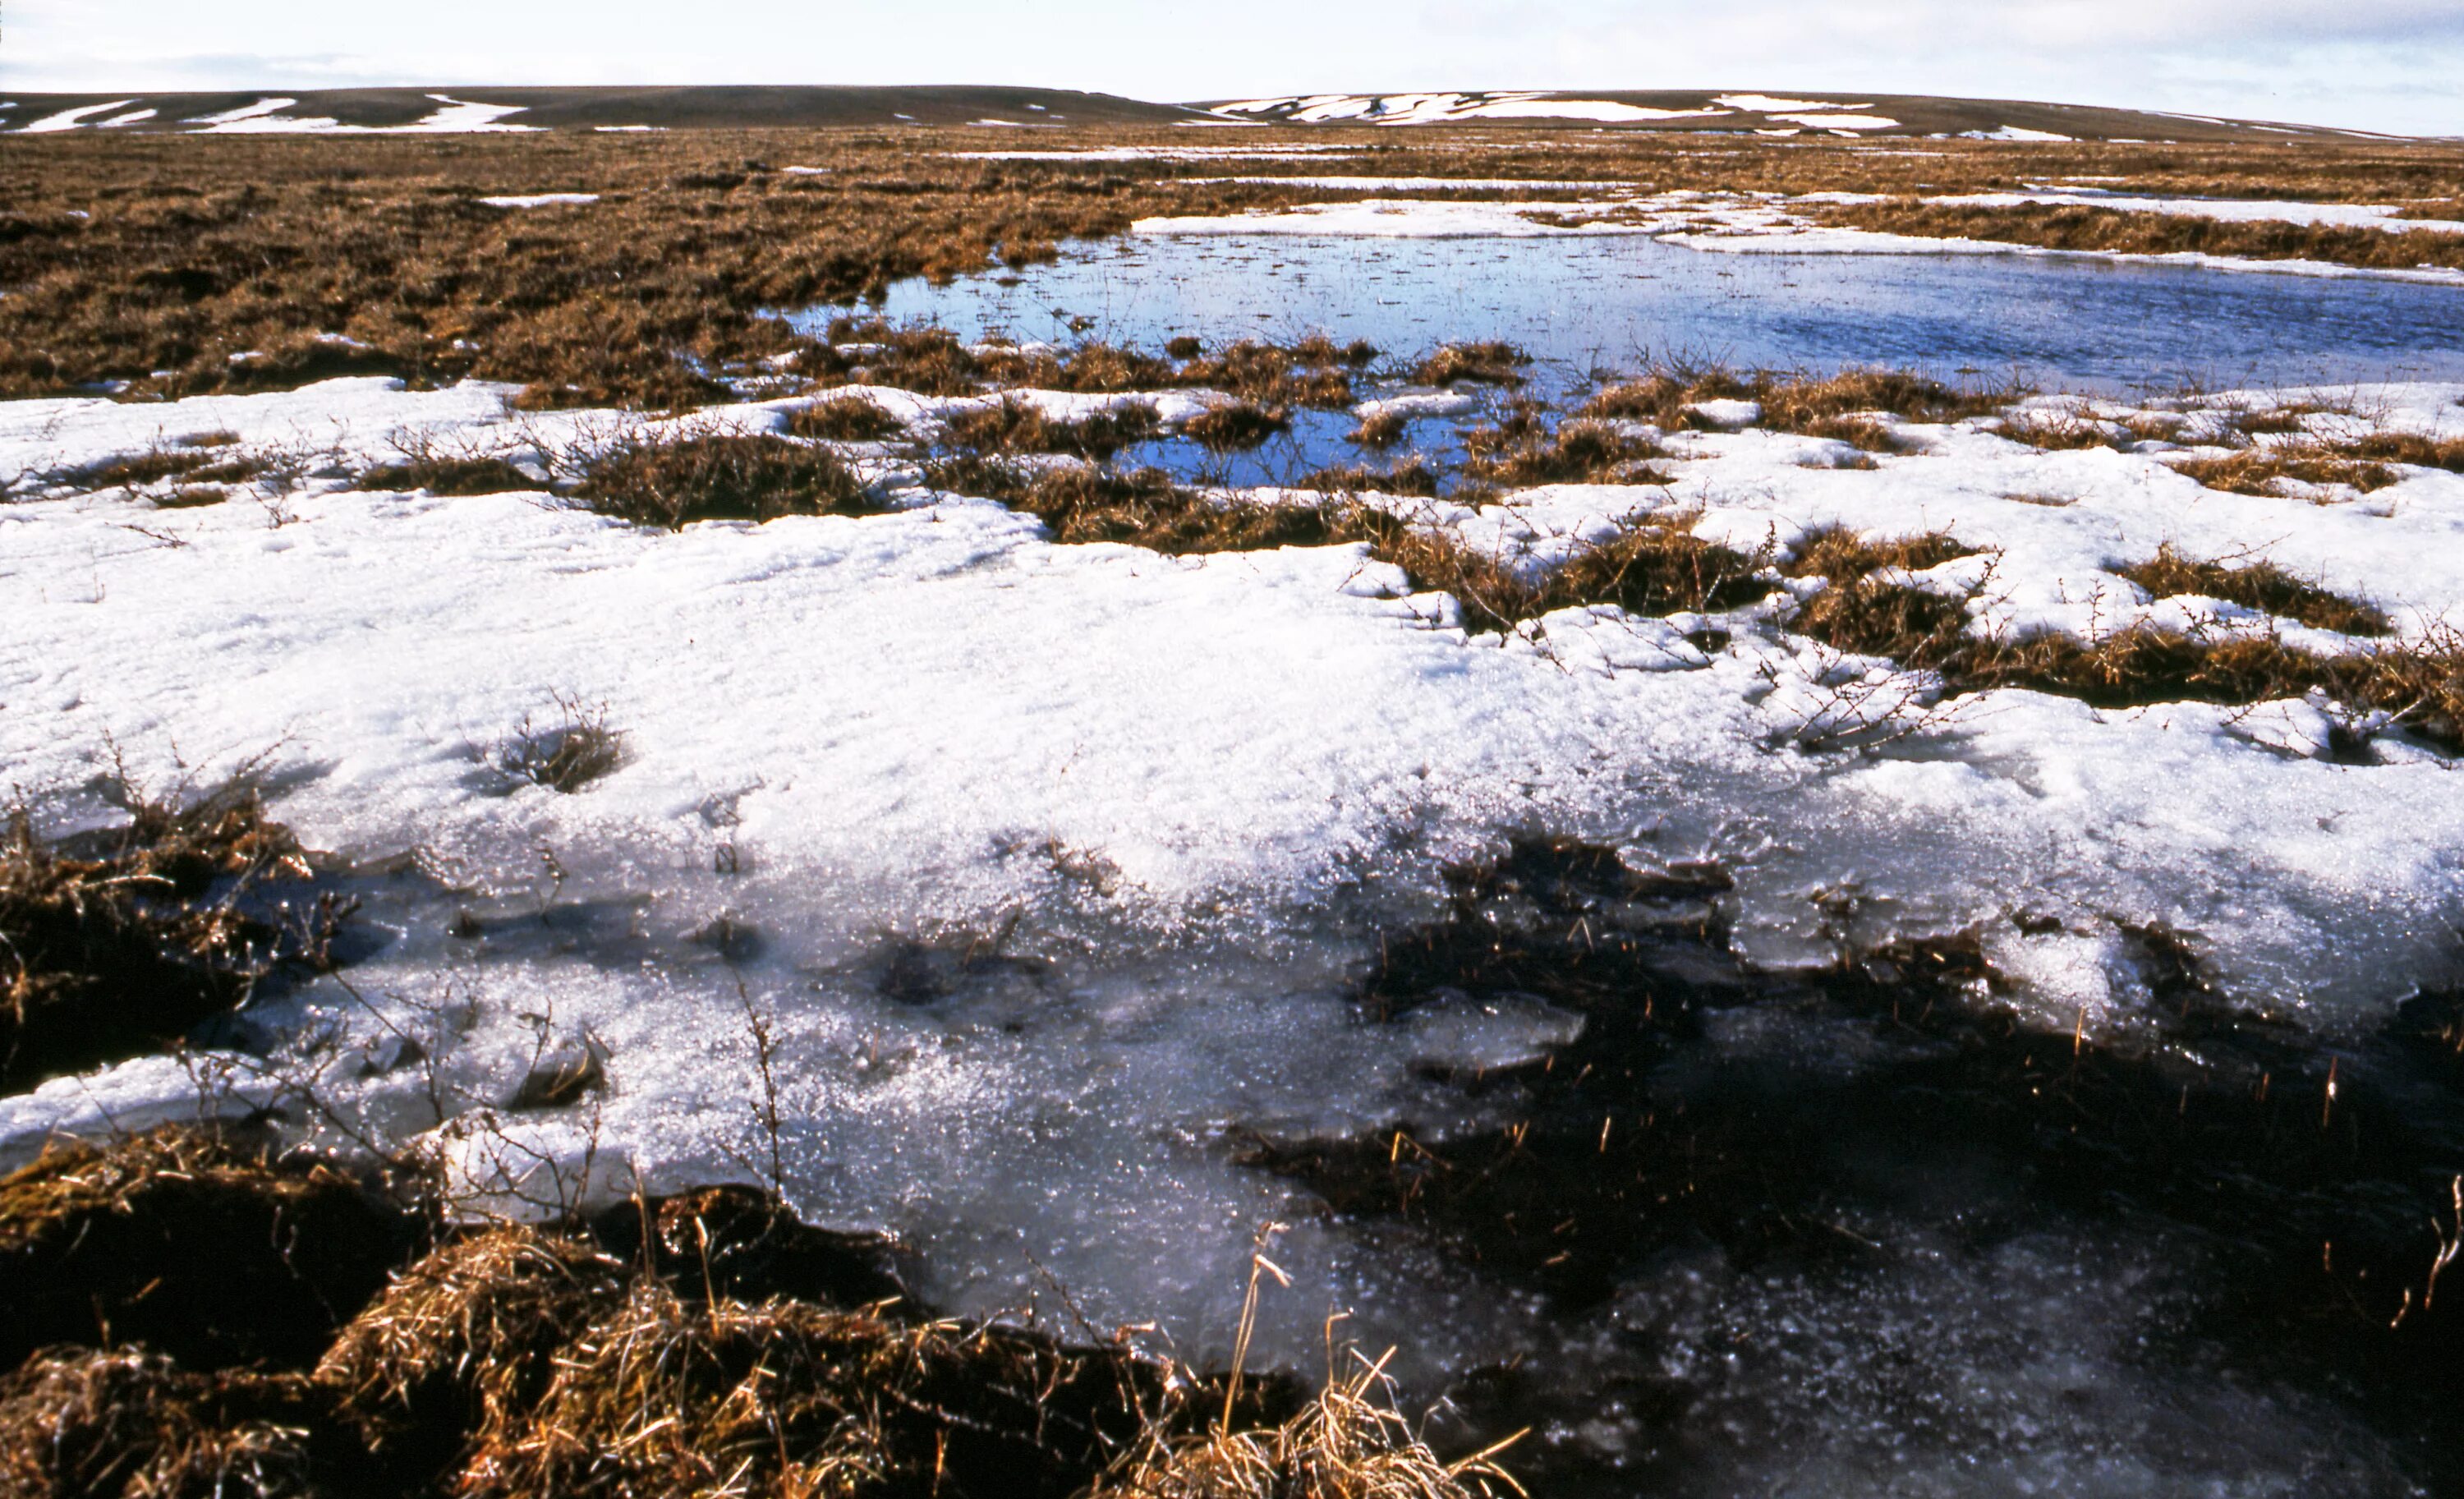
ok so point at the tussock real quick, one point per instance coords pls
(1521, 448)
(1838, 407)
(784, 1397)
(1143, 507)
(2075, 227)
(720, 477)
(1235, 426)
(132, 1424)
(209, 1245)
(1384, 430)
(1350, 1442)
(116, 942)
(2258, 586)
(1489, 363)
(1647, 569)
(1022, 427)
(706, 1343)
(573, 751)
(1414, 477)
(2258, 471)
(844, 419)
(2417, 685)
(448, 475)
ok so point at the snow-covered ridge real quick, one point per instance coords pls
(268, 116)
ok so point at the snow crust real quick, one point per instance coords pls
(1419, 109)
(542, 200)
(72, 119)
(1176, 795)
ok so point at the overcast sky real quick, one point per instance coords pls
(2375, 64)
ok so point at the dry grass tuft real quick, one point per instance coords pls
(2417, 686)
(1143, 507)
(205, 1245)
(2051, 431)
(466, 1337)
(1235, 426)
(1414, 477)
(131, 1425)
(2258, 471)
(2072, 227)
(444, 476)
(724, 477)
(2258, 586)
(569, 754)
(115, 943)
(1488, 363)
(1382, 430)
(1014, 427)
(784, 1397)
(1521, 448)
(844, 419)
(1647, 570)
(1350, 1442)
(1837, 407)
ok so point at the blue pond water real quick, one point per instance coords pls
(1580, 305)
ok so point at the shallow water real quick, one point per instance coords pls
(1580, 304)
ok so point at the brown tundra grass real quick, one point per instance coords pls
(196, 249)
(208, 1317)
(2081, 227)
(726, 476)
(2420, 685)
(118, 942)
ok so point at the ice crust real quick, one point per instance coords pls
(1173, 799)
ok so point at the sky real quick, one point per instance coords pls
(2394, 65)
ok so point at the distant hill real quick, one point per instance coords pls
(1740, 110)
(476, 109)
(483, 109)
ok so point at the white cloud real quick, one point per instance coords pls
(2392, 64)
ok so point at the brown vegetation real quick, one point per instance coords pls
(2074, 227)
(2419, 686)
(702, 1344)
(2258, 586)
(844, 419)
(1012, 426)
(1522, 449)
(1837, 407)
(672, 483)
(448, 475)
(115, 943)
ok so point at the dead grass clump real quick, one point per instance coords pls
(1097, 369)
(567, 754)
(207, 1244)
(1235, 426)
(930, 360)
(723, 478)
(451, 476)
(115, 943)
(1143, 507)
(1381, 431)
(1414, 477)
(2067, 431)
(1350, 1442)
(844, 419)
(1521, 448)
(1488, 363)
(2409, 448)
(2417, 686)
(1013, 426)
(1840, 407)
(136, 469)
(2070, 227)
(1312, 373)
(1647, 570)
(466, 1337)
(131, 1425)
(191, 497)
(789, 1398)
(2257, 471)
(2258, 586)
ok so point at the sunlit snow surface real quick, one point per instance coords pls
(1048, 870)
